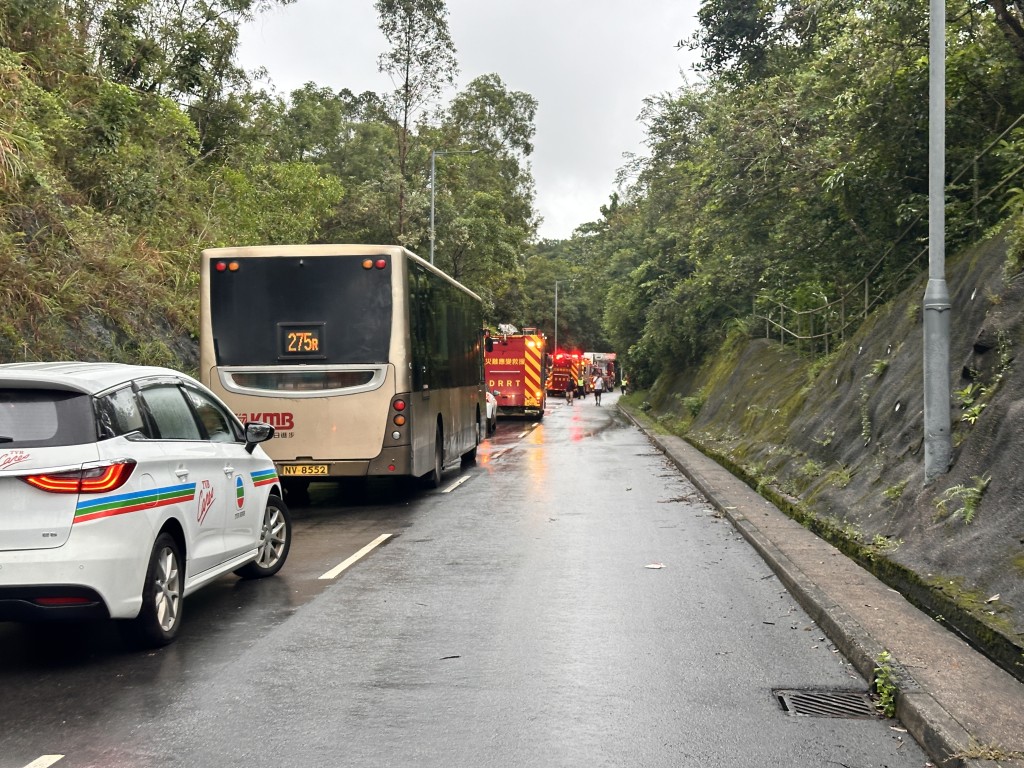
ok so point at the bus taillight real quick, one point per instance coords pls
(399, 420)
(399, 405)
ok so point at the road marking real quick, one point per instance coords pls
(333, 573)
(456, 484)
(45, 761)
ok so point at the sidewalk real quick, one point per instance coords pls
(960, 707)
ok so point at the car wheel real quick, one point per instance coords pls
(160, 616)
(275, 541)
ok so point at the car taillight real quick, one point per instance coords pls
(102, 479)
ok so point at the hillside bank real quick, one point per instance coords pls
(838, 444)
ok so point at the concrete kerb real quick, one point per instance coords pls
(938, 733)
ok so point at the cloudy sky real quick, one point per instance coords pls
(589, 64)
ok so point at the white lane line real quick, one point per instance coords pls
(45, 761)
(456, 484)
(333, 573)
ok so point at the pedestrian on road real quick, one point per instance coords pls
(598, 388)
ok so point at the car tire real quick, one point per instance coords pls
(275, 541)
(162, 599)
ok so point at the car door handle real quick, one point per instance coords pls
(181, 472)
(229, 470)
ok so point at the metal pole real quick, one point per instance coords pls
(433, 160)
(937, 440)
(556, 315)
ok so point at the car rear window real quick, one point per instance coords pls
(33, 418)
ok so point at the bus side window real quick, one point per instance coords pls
(418, 312)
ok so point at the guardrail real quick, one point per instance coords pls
(821, 328)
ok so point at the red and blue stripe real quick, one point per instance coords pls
(108, 506)
(264, 477)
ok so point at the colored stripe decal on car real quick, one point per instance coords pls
(264, 477)
(93, 509)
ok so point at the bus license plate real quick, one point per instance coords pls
(304, 469)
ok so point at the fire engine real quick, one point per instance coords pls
(514, 367)
(603, 363)
(566, 370)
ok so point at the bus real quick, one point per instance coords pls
(366, 359)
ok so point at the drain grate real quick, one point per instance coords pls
(849, 704)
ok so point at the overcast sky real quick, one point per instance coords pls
(589, 63)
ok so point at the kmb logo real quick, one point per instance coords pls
(276, 420)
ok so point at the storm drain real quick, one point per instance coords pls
(849, 704)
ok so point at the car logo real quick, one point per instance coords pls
(13, 457)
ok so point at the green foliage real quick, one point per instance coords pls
(885, 684)
(110, 187)
(967, 496)
(895, 492)
(812, 469)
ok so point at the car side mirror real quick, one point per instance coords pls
(256, 432)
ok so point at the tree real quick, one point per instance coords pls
(421, 63)
(1010, 20)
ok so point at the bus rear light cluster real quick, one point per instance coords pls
(226, 266)
(103, 479)
(375, 263)
(399, 419)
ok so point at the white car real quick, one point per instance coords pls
(123, 489)
(492, 413)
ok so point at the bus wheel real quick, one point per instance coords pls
(469, 457)
(433, 478)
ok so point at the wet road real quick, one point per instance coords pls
(570, 600)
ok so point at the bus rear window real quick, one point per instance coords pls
(300, 310)
(301, 381)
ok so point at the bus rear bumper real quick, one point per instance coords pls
(388, 463)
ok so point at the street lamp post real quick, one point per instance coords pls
(433, 162)
(937, 441)
(556, 314)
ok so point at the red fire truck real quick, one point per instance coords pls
(514, 368)
(566, 371)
